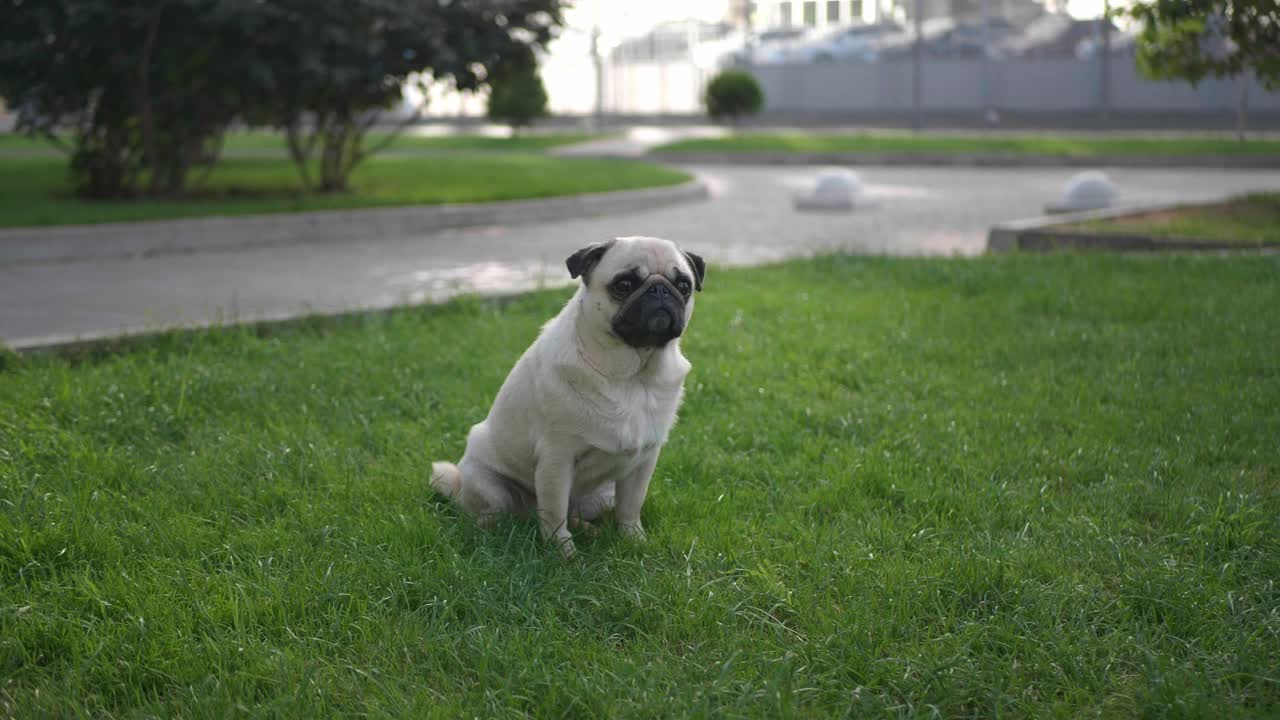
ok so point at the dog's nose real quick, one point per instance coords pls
(661, 322)
(659, 289)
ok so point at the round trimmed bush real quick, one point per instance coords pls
(733, 94)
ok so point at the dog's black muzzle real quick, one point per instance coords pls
(652, 316)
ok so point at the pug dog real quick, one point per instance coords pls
(577, 426)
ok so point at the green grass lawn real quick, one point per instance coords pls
(407, 142)
(270, 141)
(1251, 220)
(1024, 144)
(995, 487)
(37, 190)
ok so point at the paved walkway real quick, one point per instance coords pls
(638, 140)
(749, 219)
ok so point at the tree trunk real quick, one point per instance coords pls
(103, 163)
(1242, 107)
(351, 152)
(300, 151)
(332, 179)
(185, 153)
(142, 97)
(341, 152)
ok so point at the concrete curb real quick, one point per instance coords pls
(1046, 233)
(112, 341)
(966, 159)
(213, 234)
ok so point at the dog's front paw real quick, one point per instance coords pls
(633, 531)
(566, 547)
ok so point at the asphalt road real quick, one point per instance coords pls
(748, 220)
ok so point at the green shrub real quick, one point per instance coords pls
(732, 94)
(517, 98)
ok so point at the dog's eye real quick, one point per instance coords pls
(683, 286)
(624, 285)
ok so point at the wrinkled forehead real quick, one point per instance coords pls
(645, 256)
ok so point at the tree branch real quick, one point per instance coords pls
(358, 155)
(56, 141)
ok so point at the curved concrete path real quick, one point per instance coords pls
(749, 219)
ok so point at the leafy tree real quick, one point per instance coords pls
(1194, 39)
(140, 84)
(334, 66)
(517, 97)
(147, 87)
(733, 94)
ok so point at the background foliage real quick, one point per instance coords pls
(146, 88)
(1192, 39)
(517, 97)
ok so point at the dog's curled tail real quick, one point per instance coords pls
(446, 478)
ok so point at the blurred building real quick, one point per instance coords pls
(822, 14)
(784, 14)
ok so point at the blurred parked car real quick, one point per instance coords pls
(764, 48)
(769, 47)
(1122, 43)
(779, 35)
(901, 44)
(1050, 35)
(1055, 35)
(851, 42)
(970, 39)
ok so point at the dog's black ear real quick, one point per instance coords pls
(581, 262)
(699, 268)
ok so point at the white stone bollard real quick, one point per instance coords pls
(836, 189)
(1091, 190)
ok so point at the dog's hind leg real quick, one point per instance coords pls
(479, 490)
